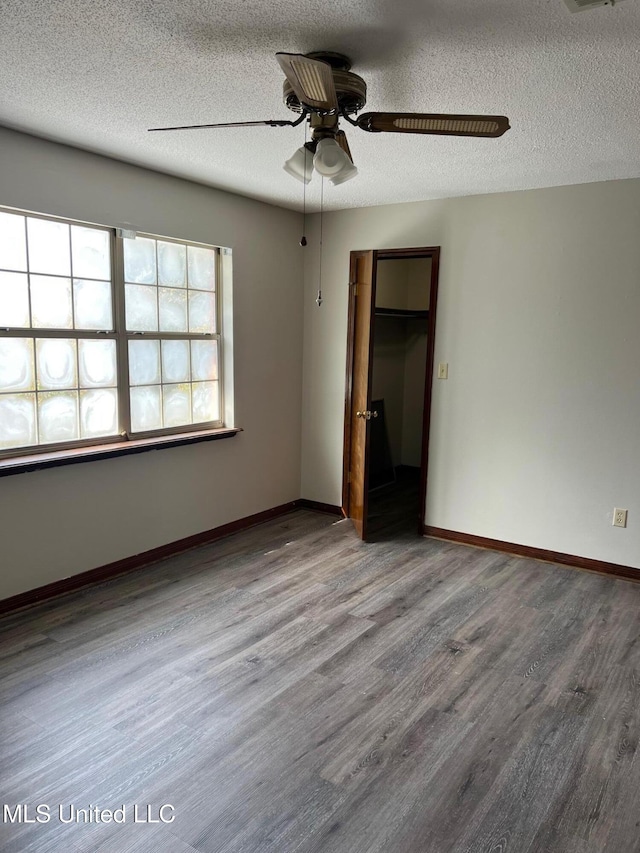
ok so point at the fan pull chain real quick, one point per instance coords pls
(319, 297)
(303, 240)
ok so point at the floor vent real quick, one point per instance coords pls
(582, 5)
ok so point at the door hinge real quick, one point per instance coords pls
(349, 477)
(354, 285)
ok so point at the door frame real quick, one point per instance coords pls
(432, 252)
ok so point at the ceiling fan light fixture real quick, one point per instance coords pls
(434, 123)
(447, 125)
(300, 165)
(311, 80)
(349, 171)
(329, 159)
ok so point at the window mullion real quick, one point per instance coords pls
(124, 410)
(78, 334)
(219, 332)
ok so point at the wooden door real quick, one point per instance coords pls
(362, 294)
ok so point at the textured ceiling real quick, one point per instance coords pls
(97, 74)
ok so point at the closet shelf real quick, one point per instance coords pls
(402, 313)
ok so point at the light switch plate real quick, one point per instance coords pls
(443, 370)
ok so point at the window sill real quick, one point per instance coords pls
(39, 461)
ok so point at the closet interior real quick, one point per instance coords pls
(398, 391)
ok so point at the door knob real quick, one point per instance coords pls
(367, 415)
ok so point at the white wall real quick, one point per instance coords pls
(415, 360)
(535, 433)
(418, 294)
(62, 521)
(418, 283)
(389, 351)
(388, 378)
(392, 284)
(400, 353)
(399, 359)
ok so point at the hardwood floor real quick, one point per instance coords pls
(293, 689)
(395, 509)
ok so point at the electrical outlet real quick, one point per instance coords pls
(619, 518)
(443, 370)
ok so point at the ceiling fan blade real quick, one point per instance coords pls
(434, 123)
(341, 139)
(270, 122)
(310, 79)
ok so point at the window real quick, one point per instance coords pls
(104, 336)
(170, 319)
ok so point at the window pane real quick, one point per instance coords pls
(97, 360)
(172, 264)
(13, 242)
(204, 360)
(58, 416)
(16, 364)
(49, 250)
(17, 420)
(14, 300)
(201, 312)
(173, 309)
(202, 268)
(98, 412)
(145, 408)
(206, 403)
(139, 260)
(92, 305)
(51, 302)
(56, 364)
(144, 362)
(141, 307)
(90, 253)
(175, 361)
(176, 404)
(64, 389)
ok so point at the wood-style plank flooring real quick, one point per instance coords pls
(395, 509)
(293, 689)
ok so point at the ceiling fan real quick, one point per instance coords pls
(322, 87)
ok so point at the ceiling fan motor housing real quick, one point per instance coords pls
(351, 89)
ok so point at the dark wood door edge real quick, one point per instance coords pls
(575, 562)
(428, 385)
(137, 561)
(330, 509)
(348, 385)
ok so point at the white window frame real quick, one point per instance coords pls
(122, 337)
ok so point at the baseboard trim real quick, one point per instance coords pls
(137, 561)
(599, 566)
(330, 509)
